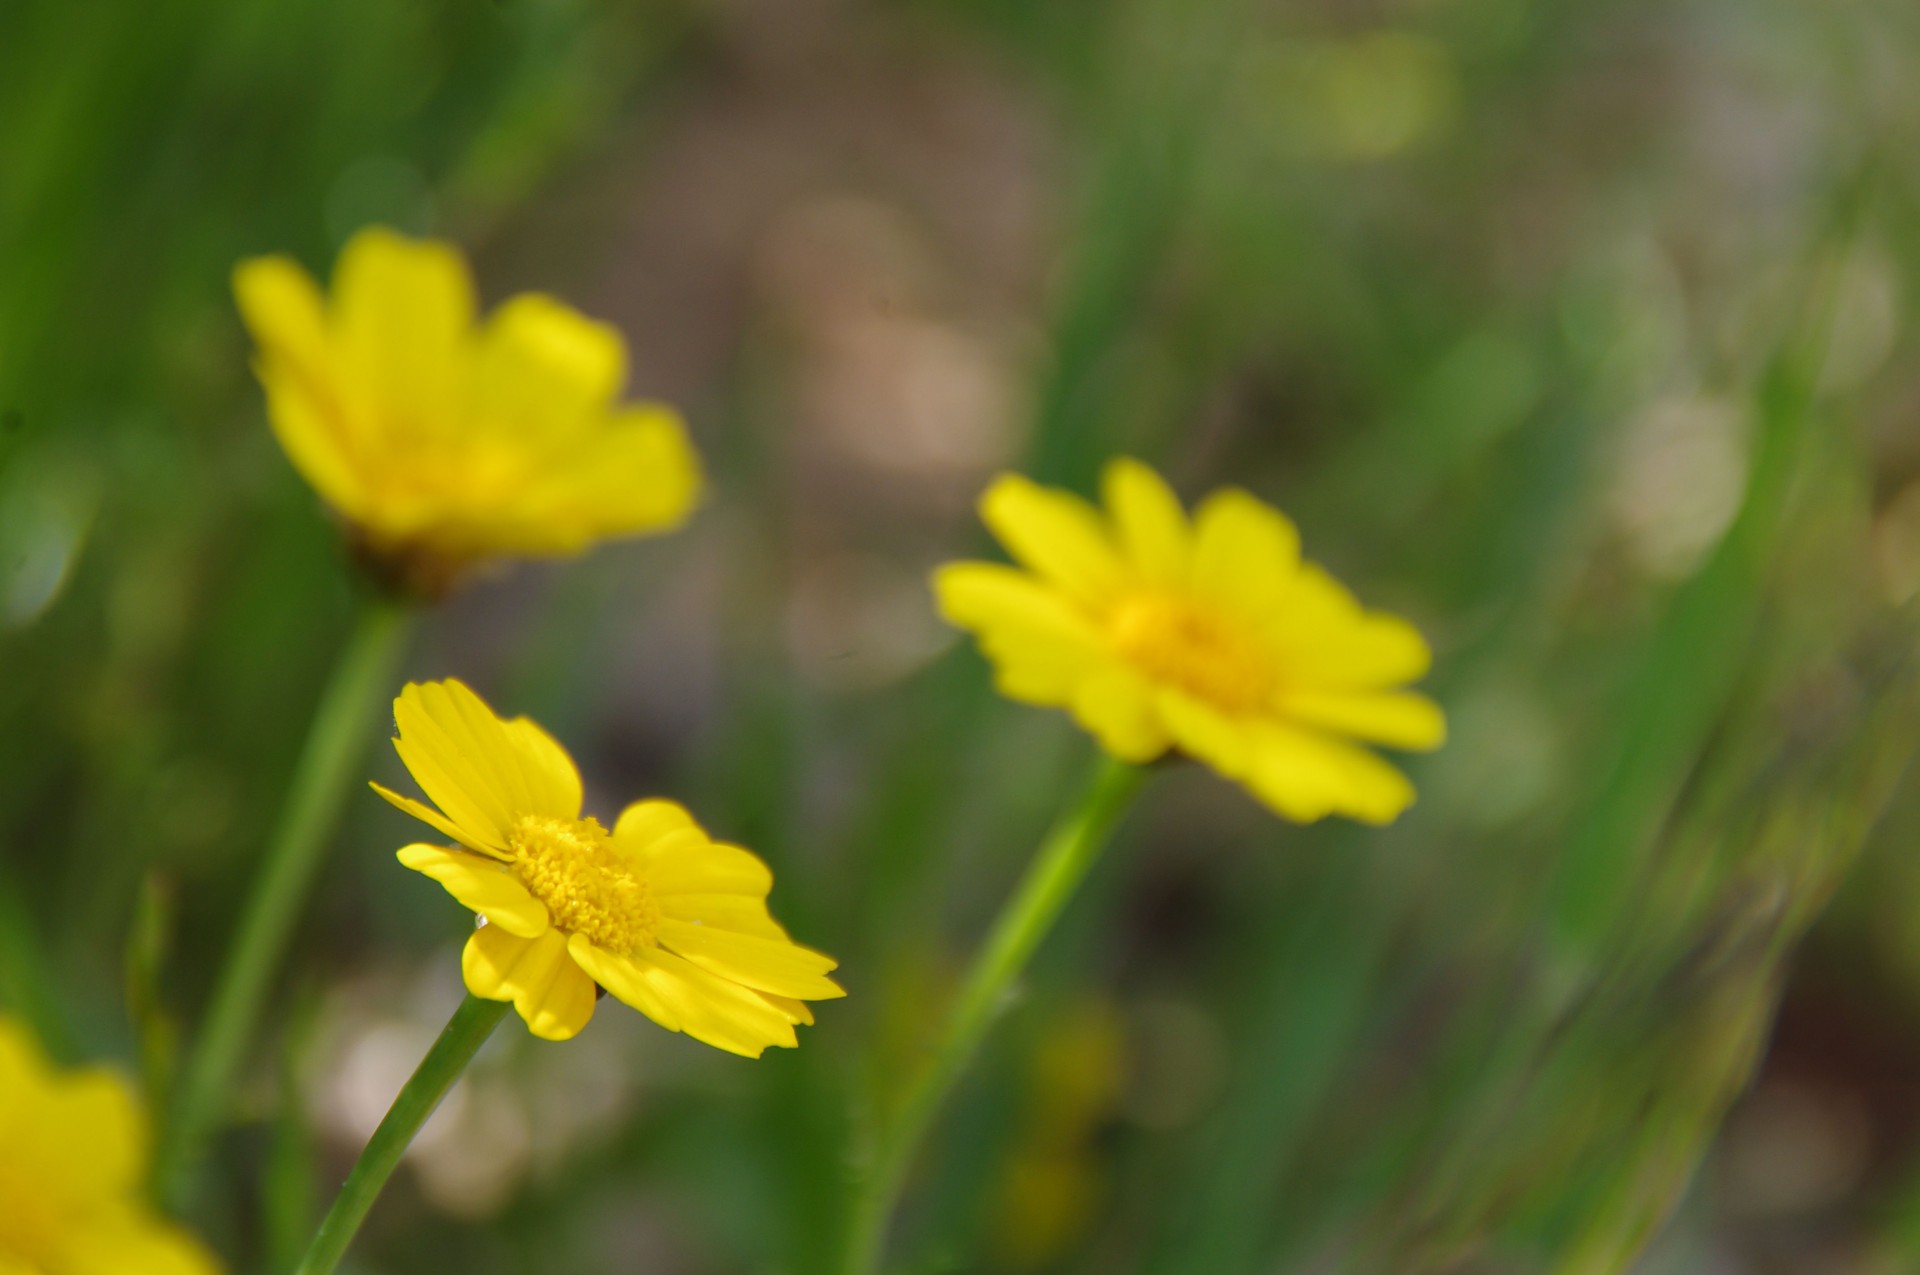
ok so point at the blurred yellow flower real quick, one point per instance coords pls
(1055, 1176)
(73, 1163)
(444, 442)
(671, 922)
(1211, 636)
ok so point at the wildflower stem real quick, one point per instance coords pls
(1055, 873)
(459, 1041)
(348, 709)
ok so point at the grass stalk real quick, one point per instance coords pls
(1057, 870)
(348, 710)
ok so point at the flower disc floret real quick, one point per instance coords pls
(1183, 642)
(572, 867)
(1207, 634)
(654, 912)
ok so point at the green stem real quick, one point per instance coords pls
(349, 708)
(459, 1041)
(1056, 872)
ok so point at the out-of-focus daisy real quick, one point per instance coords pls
(73, 1164)
(443, 441)
(1055, 1176)
(1211, 636)
(654, 911)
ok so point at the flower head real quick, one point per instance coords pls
(1208, 635)
(444, 442)
(652, 910)
(73, 1161)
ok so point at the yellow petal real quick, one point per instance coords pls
(647, 445)
(312, 439)
(1326, 641)
(283, 310)
(485, 885)
(986, 595)
(644, 823)
(991, 596)
(125, 1239)
(679, 858)
(402, 321)
(744, 913)
(76, 1136)
(688, 863)
(450, 780)
(484, 773)
(428, 815)
(541, 360)
(1399, 719)
(1383, 650)
(682, 997)
(1056, 534)
(518, 758)
(1148, 521)
(439, 751)
(1205, 733)
(78, 1141)
(553, 781)
(795, 1011)
(552, 993)
(639, 986)
(1245, 552)
(88, 1137)
(637, 473)
(768, 965)
(1039, 644)
(716, 1010)
(1305, 776)
(1116, 705)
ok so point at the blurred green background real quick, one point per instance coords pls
(1581, 333)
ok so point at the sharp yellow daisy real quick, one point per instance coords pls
(1209, 635)
(73, 1163)
(441, 441)
(654, 911)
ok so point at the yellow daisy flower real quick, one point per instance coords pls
(444, 442)
(1211, 636)
(73, 1163)
(666, 919)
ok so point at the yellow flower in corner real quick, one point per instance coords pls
(654, 911)
(1208, 635)
(73, 1164)
(443, 441)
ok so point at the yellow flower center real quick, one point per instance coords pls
(1177, 641)
(589, 887)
